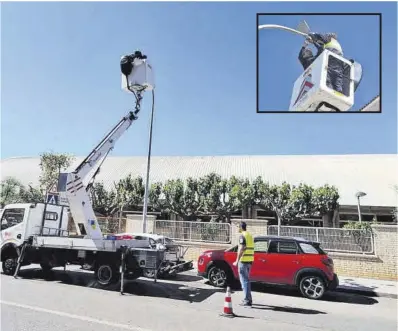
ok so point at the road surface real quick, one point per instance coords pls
(72, 302)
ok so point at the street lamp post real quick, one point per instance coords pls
(359, 195)
(148, 167)
(281, 27)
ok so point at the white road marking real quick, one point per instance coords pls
(78, 317)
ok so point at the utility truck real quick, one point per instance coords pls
(38, 233)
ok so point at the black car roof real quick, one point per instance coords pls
(281, 238)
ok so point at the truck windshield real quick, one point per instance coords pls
(312, 248)
(11, 217)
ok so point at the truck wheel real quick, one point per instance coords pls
(149, 273)
(107, 274)
(9, 266)
(312, 287)
(45, 267)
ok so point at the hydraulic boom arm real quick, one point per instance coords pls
(106, 145)
(136, 78)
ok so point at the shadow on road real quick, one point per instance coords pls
(329, 296)
(140, 287)
(187, 278)
(288, 309)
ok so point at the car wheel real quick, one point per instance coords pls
(9, 266)
(218, 276)
(312, 287)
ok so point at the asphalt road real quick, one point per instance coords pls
(72, 301)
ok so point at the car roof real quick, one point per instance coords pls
(285, 238)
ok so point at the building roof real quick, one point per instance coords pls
(373, 174)
(372, 106)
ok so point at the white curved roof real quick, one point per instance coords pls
(374, 174)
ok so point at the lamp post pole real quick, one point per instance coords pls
(148, 168)
(359, 195)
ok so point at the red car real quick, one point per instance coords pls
(277, 260)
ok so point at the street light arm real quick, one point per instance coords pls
(281, 27)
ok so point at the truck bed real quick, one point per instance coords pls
(87, 244)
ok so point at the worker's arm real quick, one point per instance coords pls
(306, 57)
(241, 250)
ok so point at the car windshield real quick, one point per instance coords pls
(312, 248)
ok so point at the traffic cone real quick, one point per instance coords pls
(228, 312)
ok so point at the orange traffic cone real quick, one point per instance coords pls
(228, 312)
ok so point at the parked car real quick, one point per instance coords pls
(277, 260)
(174, 262)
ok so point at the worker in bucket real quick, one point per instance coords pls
(244, 261)
(306, 56)
(328, 41)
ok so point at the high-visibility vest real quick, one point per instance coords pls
(333, 44)
(248, 254)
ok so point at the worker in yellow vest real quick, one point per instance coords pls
(329, 41)
(244, 261)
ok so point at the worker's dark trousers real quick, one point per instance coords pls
(334, 78)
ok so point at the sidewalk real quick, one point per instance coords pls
(369, 287)
(362, 286)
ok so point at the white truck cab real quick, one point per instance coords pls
(22, 220)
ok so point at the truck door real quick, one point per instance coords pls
(13, 224)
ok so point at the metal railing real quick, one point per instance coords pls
(111, 225)
(194, 231)
(331, 239)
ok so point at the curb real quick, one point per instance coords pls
(351, 290)
(364, 292)
(368, 293)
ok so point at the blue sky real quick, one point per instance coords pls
(61, 83)
(278, 54)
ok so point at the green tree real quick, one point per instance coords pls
(13, 191)
(275, 198)
(10, 191)
(182, 198)
(243, 192)
(51, 164)
(103, 200)
(156, 198)
(31, 194)
(129, 192)
(223, 197)
(325, 202)
(301, 201)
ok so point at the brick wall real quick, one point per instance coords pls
(381, 265)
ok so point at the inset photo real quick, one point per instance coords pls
(323, 62)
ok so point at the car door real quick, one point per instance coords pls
(230, 258)
(260, 256)
(281, 262)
